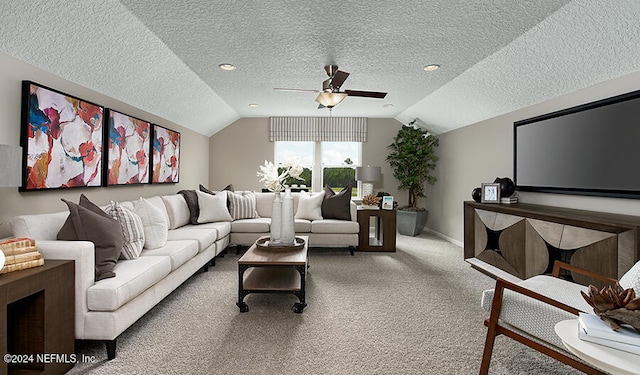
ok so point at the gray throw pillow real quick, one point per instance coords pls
(337, 206)
(87, 222)
(192, 202)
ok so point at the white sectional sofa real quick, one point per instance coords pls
(106, 308)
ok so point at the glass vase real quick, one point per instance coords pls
(275, 231)
(287, 234)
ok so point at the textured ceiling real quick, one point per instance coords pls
(163, 56)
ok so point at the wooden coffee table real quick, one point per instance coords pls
(264, 271)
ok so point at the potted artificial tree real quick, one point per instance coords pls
(412, 158)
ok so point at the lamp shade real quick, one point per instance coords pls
(10, 166)
(368, 174)
(330, 99)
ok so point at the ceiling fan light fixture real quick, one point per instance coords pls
(227, 66)
(330, 99)
(431, 67)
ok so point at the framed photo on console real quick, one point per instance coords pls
(128, 149)
(387, 202)
(61, 137)
(165, 155)
(490, 193)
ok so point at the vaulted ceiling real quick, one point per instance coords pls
(162, 56)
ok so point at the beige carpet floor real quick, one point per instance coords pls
(415, 311)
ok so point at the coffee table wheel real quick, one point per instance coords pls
(298, 307)
(243, 306)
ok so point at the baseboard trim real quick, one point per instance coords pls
(446, 238)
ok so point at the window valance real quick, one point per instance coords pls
(318, 129)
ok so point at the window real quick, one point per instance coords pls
(335, 160)
(339, 160)
(304, 151)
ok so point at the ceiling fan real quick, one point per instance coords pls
(330, 95)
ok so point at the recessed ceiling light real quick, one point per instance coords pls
(227, 66)
(254, 105)
(388, 105)
(431, 67)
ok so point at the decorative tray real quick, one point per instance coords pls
(264, 244)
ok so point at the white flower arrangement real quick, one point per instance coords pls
(273, 180)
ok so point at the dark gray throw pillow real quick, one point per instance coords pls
(192, 202)
(87, 222)
(337, 206)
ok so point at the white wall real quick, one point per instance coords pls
(483, 151)
(194, 161)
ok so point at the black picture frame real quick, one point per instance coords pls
(62, 139)
(165, 155)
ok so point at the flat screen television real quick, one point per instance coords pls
(591, 149)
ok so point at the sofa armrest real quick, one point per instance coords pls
(82, 252)
(353, 207)
(559, 265)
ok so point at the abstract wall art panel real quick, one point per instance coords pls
(165, 155)
(128, 149)
(62, 139)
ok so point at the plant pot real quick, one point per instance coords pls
(411, 223)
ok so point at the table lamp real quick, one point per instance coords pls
(10, 166)
(367, 175)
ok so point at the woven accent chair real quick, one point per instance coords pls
(527, 312)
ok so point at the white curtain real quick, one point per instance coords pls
(318, 129)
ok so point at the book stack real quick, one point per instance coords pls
(593, 329)
(20, 254)
(509, 200)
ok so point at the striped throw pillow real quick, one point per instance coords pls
(132, 230)
(243, 205)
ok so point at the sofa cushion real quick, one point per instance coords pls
(90, 223)
(302, 225)
(257, 225)
(536, 317)
(204, 236)
(132, 230)
(337, 206)
(134, 277)
(309, 206)
(192, 203)
(223, 228)
(243, 205)
(334, 226)
(39, 226)
(212, 207)
(631, 279)
(179, 251)
(177, 210)
(154, 223)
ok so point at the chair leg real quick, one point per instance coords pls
(488, 349)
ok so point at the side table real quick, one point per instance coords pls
(37, 319)
(378, 234)
(602, 357)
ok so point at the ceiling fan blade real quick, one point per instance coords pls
(320, 106)
(338, 79)
(294, 90)
(366, 94)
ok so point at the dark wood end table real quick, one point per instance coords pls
(37, 319)
(382, 235)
